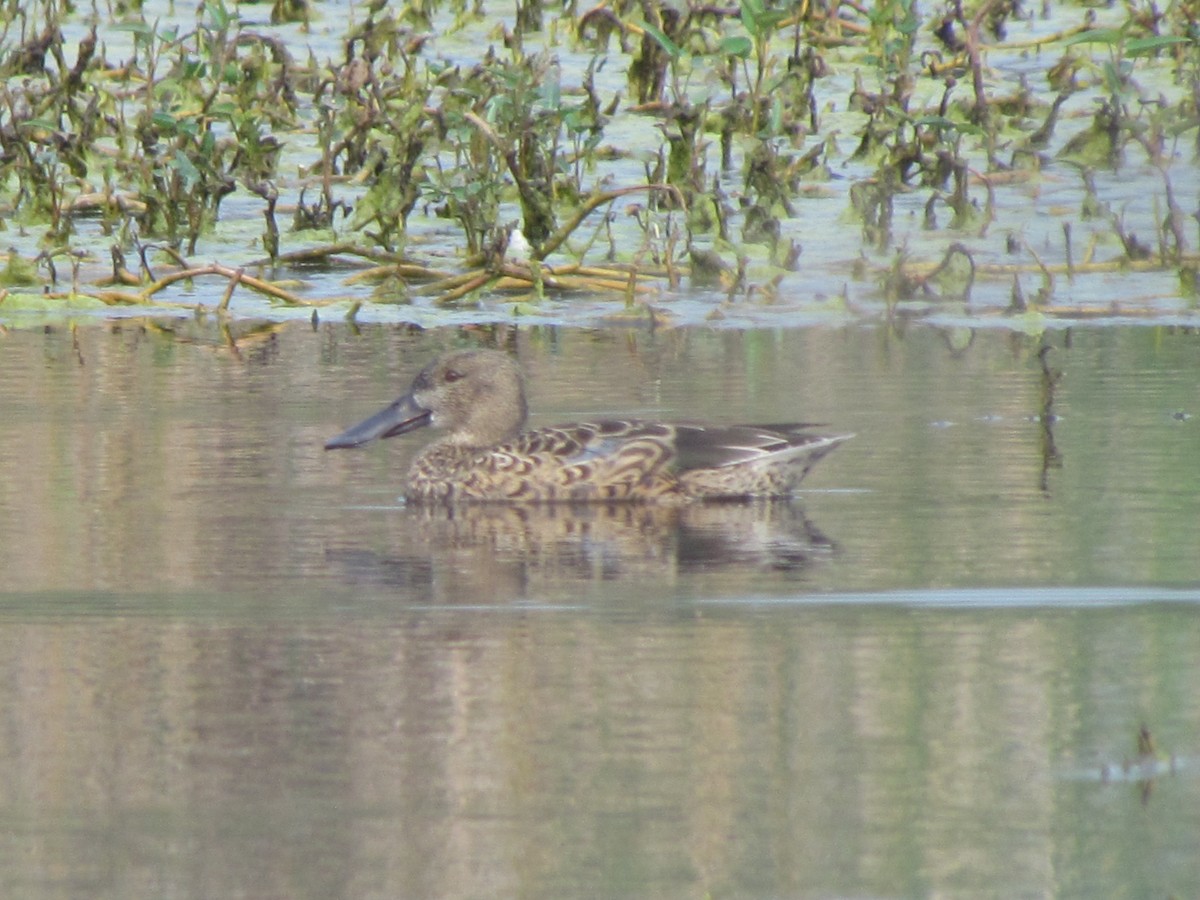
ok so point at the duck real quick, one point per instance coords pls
(476, 398)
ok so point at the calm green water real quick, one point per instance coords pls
(232, 665)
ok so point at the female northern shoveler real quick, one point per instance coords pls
(478, 397)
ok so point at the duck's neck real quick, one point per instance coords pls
(488, 427)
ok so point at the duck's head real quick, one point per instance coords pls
(477, 396)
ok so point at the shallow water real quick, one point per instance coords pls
(232, 664)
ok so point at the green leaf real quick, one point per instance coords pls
(39, 122)
(165, 121)
(943, 122)
(187, 171)
(776, 116)
(908, 25)
(551, 92)
(1097, 36)
(758, 20)
(218, 16)
(672, 49)
(141, 29)
(1149, 46)
(192, 69)
(740, 47)
(752, 16)
(1112, 78)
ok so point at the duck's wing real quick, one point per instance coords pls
(721, 446)
(606, 459)
(624, 460)
(634, 459)
(679, 446)
(604, 439)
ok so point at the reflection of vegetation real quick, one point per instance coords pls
(1047, 418)
(1145, 768)
(151, 145)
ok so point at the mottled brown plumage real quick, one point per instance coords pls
(478, 398)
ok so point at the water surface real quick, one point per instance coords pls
(232, 664)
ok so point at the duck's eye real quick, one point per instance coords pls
(451, 376)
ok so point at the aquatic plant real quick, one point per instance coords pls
(523, 157)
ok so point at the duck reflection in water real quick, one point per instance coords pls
(478, 398)
(494, 553)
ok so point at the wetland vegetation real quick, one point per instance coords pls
(236, 665)
(681, 161)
